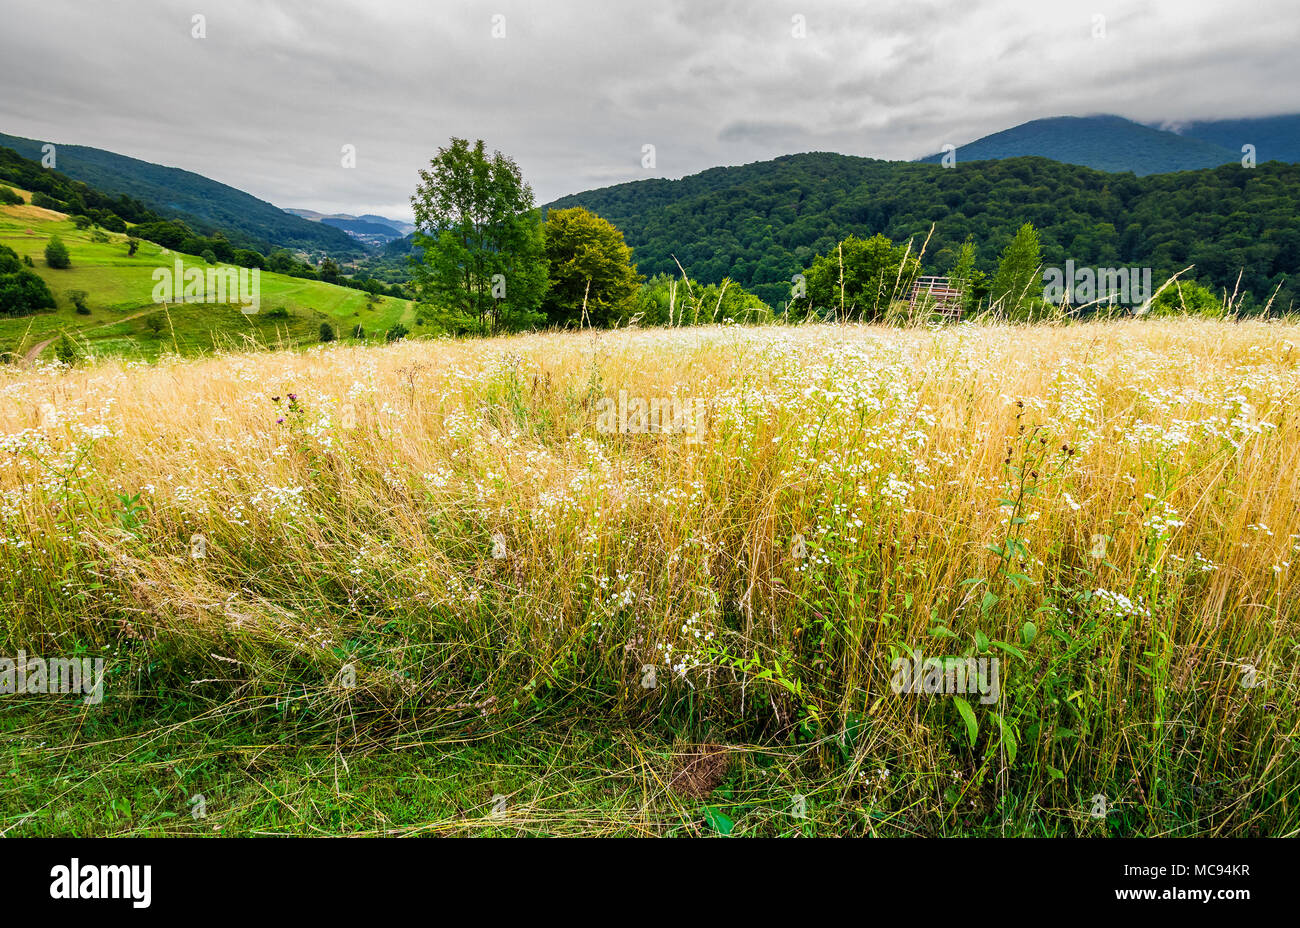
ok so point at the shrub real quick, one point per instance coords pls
(9, 197)
(209, 256)
(169, 234)
(78, 298)
(56, 253)
(396, 333)
(245, 257)
(1187, 297)
(66, 350)
(98, 236)
(45, 201)
(21, 292)
(861, 277)
(326, 332)
(278, 313)
(358, 332)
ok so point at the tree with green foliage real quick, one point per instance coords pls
(359, 332)
(78, 299)
(281, 261)
(21, 291)
(24, 293)
(675, 301)
(167, 233)
(10, 197)
(591, 269)
(396, 333)
(482, 261)
(45, 201)
(329, 271)
(1018, 285)
(326, 332)
(56, 253)
(859, 278)
(965, 276)
(246, 257)
(132, 246)
(1187, 297)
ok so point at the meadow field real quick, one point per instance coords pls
(435, 587)
(120, 288)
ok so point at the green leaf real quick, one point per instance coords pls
(1028, 632)
(968, 716)
(981, 641)
(988, 602)
(717, 821)
(1010, 649)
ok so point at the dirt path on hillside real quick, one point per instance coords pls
(30, 357)
(34, 352)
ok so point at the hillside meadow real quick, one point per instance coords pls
(120, 298)
(428, 587)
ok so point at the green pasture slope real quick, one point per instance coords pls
(120, 299)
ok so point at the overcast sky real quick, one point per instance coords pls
(576, 88)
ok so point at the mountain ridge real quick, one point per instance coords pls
(760, 223)
(205, 204)
(1116, 144)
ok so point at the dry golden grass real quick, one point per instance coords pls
(441, 527)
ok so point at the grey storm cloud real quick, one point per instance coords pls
(574, 90)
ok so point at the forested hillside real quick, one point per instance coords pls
(761, 223)
(202, 203)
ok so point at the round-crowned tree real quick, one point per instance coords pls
(56, 253)
(590, 265)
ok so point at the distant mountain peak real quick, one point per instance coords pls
(1108, 142)
(368, 228)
